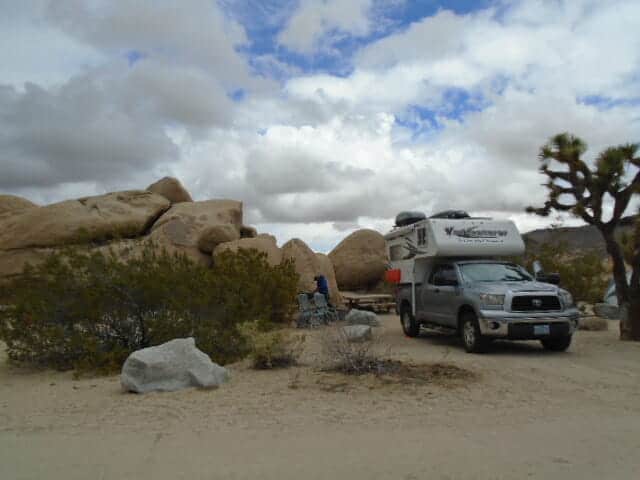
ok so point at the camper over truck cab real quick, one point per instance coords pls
(452, 272)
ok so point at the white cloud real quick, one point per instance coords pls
(322, 154)
(315, 19)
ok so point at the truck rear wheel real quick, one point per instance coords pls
(408, 322)
(556, 344)
(472, 339)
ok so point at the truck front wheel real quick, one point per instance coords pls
(408, 322)
(472, 339)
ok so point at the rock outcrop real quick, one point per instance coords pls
(171, 189)
(325, 267)
(91, 219)
(263, 243)
(188, 226)
(359, 260)
(11, 203)
(248, 232)
(171, 366)
(306, 263)
(214, 235)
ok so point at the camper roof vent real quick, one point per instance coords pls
(408, 218)
(451, 214)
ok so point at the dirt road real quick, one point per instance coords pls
(530, 414)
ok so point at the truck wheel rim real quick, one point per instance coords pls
(469, 333)
(406, 321)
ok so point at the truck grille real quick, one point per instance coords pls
(531, 303)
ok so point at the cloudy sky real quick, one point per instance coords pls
(321, 115)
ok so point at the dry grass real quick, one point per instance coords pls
(346, 365)
(396, 373)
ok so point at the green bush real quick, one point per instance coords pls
(271, 348)
(89, 311)
(583, 273)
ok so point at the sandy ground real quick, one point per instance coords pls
(530, 414)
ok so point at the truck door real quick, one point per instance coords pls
(439, 295)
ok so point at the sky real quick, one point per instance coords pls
(322, 116)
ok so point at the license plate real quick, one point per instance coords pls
(541, 329)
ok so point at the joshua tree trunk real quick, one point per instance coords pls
(630, 318)
(628, 295)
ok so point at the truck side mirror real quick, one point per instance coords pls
(553, 278)
(541, 276)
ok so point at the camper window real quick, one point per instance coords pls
(422, 236)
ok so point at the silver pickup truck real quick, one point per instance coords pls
(488, 299)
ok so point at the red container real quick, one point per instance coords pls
(392, 276)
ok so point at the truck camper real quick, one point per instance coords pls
(450, 275)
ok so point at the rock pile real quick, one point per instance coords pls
(123, 222)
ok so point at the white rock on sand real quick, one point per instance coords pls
(357, 333)
(362, 317)
(171, 366)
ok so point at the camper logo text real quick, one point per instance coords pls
(474, 232)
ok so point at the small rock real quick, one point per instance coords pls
(594, 324)
(357, 333)
(362, 317)
(171, 366)
(607, 310)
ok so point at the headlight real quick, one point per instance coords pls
(567, 299)
(492, 300)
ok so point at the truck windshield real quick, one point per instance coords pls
(493, 272)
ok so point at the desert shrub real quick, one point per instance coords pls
(271, 348)
(91, 310)
(354, 358)
(583, 273)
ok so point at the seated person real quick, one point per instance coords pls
(322, 286)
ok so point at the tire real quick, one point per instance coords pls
(556, 344)
(472, 339)
(409, 325)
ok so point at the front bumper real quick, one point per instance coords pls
(519, 326)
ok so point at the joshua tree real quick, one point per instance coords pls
(587, 192)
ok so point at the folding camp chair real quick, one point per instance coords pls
(309, 315)
(327, 312)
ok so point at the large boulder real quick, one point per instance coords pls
(188, 225)
(13, 262)
(171, 189)
(11, 203)
(214, 235)
(359, 260)
(91, 219)
(263, 243)
(325, 267)
(306, 263)
(248, 232)
(171, 366)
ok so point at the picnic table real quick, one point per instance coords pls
(377, 302)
